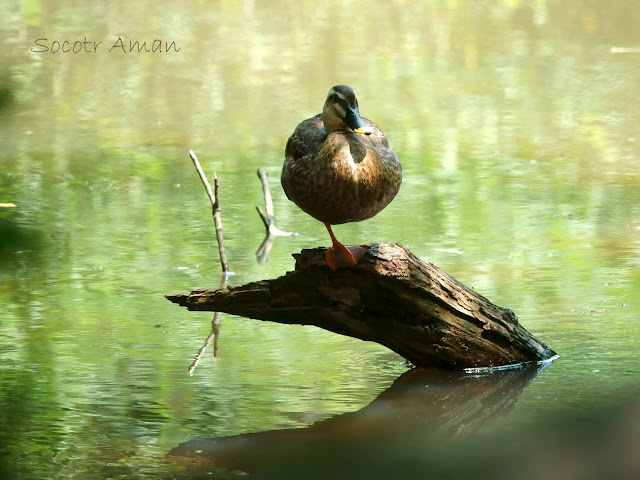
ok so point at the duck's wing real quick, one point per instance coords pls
(306, 140)
(301, 153)
(378, 147)
(377, 139)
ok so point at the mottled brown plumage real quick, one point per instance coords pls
(341, 176)
(339, 167)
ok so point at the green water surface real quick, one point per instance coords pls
(518, 129)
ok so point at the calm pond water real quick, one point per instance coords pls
(517, 125)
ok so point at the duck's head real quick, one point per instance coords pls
(341, 112)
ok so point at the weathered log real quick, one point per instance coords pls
(391, 297)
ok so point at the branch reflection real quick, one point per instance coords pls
(214, 335)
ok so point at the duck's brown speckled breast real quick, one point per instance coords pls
(342, 177)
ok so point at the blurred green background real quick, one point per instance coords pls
(517, 127)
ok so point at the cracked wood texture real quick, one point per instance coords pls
(391, 297)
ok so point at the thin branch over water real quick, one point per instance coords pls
(214, 197)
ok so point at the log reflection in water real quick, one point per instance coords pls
(420, 408)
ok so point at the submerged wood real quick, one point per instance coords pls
(391, 297)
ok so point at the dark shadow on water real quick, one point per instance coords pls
(421, 409)
(6, 92)
(14, 238)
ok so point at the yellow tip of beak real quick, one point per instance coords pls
(364, 130)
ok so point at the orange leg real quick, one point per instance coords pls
(339, 255)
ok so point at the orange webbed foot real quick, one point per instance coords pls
(341, 256)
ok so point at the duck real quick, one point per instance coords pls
(339, 168)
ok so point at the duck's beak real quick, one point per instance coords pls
(363, 130)
(355, 123)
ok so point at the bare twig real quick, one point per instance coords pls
(268, 218)
(214, 198)
(263, 215)
(215, 204)
(268, 203)
(269, 221)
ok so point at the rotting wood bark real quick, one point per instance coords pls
(391, 297)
